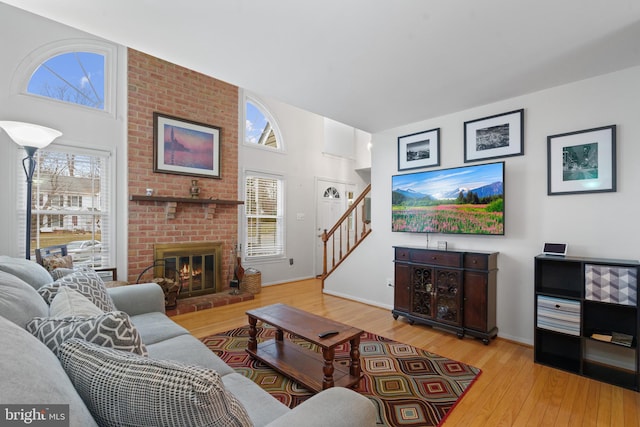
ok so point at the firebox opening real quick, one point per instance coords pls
(196, 266)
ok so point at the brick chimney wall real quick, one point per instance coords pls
(155, 85)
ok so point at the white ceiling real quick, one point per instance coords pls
(372, 64)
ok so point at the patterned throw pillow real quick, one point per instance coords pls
(87, 282)
(69, 302)
(113, 330)
(125, 389)
(56, 261)
(61, 272)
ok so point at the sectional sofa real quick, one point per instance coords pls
(119, 360)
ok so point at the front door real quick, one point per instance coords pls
(332, 203)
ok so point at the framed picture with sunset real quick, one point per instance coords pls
(185, 147)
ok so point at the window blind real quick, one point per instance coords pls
(71, 202)
(264, 215)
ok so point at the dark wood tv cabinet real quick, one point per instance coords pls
(452, 290)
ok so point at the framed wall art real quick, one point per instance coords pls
(185, 147)
(493, 137)
(419, 150)
(582, 162)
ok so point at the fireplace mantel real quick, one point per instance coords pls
(172, 203)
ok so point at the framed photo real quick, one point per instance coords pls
(582, 161)
(185, 147)
(419, 150)
(496, 136)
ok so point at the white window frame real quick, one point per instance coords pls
(32, 62)
(107, 183)
(281, 219)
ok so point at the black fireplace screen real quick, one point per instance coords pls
(197, 273)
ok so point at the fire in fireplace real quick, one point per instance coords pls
(197, 266)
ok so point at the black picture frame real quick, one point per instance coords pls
(185, 147)
(582, 161)
(419, 150)
(493, 137)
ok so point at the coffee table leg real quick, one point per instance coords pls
(279, 335)
(328, 355)
(355, 368)
(253, 332)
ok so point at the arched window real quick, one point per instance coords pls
(80, 72)
(260, 128)
(331, 193)
(75, 77)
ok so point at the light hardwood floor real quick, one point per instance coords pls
(511, 391)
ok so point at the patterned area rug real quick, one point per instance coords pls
(409, 386)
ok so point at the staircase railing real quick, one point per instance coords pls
(346, 234)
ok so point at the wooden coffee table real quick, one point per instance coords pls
(313, 370)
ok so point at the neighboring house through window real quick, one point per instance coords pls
(260, 128)
(71, 188)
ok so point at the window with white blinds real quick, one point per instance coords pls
(71, 204)
(264, 215)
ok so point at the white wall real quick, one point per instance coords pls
(595, 225)
(24, 34)
(303, 135)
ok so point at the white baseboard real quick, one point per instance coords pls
(362, 300)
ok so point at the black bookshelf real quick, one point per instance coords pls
(566, 321)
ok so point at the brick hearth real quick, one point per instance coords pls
(191, 304)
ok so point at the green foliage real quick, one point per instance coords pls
(496, 206)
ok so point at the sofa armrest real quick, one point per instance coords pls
(138, 299)
(335, 407)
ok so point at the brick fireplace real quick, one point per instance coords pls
(155, 85)
(197, 266)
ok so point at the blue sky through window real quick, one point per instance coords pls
(76, 77)
(255, 123)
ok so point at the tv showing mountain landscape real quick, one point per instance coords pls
(463, 200)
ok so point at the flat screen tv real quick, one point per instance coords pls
(463, 200)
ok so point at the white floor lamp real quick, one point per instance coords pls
(30, 137)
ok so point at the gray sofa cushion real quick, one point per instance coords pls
(189, 350)
(113, 330)
(124, 389)
(263, 408)
(19, 302)
(155, 327)
(335, 407)
(31, 272)
(32, 374)
(87, 282)
(138, 299)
